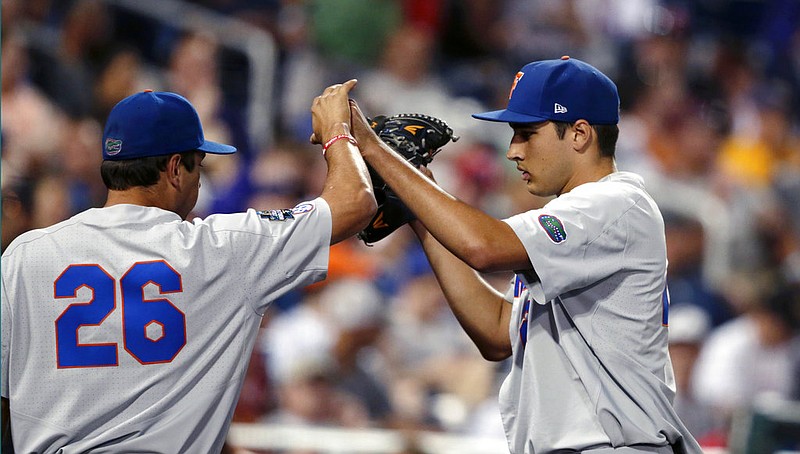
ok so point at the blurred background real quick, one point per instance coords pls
(372, 360)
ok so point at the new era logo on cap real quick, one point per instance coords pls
(560, 90)
(155, 124)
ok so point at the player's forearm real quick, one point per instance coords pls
(480, 309)
(485, 243)
(348, 190)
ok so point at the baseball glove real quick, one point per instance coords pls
(417, 138)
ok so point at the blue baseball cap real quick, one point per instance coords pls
(155, 124)
(566, 89)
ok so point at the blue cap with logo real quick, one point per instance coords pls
(155, 124)
(566, 89)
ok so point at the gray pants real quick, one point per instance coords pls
(633, 450)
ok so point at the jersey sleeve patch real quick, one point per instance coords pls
(305, 207)
(553, 227)
(276, 215)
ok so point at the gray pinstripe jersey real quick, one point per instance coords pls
(590, 366)
(126, 329)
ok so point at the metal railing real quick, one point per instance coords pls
(256, 44)
(339, 440)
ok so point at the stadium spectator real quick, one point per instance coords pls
(750, 355)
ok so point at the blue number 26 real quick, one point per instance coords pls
(153, 331)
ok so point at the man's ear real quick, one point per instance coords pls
(582, 135)
(174, 171)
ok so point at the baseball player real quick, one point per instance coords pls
(128, 328)
(585, 317)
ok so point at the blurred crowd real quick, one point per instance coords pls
(710, 95)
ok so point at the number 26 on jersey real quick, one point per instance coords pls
(153, 331)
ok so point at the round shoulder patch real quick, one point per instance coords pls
(304, 207)
(553, 227)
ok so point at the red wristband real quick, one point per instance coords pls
(333, 139)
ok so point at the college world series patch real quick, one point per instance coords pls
(553, 227)
(305, 207)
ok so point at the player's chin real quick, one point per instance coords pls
(537, 190)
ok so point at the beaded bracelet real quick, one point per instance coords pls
(333, 139)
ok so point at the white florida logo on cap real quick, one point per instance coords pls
(113, 146)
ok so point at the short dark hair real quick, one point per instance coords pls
(122, 175)
(607, 136)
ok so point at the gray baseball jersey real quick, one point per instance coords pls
(126, 329)
(588, 331)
